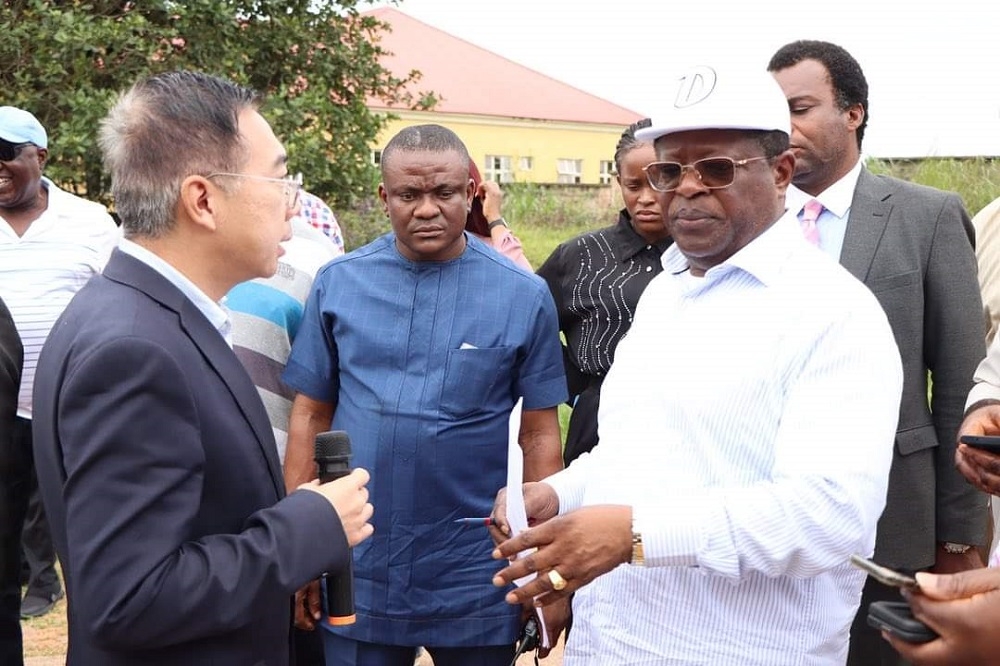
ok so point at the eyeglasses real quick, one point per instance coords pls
(714, 173)
(292, 184)
(9, 151)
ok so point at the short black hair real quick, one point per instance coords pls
(773, 142)
(432, 138)
(164, 129)
(846, 77)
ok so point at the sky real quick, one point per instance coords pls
(933, 68)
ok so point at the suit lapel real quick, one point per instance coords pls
(129, 270)
(234, 375)
(866, 222)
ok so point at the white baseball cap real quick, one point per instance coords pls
(707, 97)
(19, 126)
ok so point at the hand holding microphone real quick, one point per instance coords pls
(333, 456)
(346, 492)
(349, 498)
(343, 488)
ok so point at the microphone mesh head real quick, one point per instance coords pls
(334, 444)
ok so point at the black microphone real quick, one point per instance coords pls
(333, 455)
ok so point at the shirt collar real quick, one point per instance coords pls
(214, 312)
(763, 257)
(836, 198)
(626, 240)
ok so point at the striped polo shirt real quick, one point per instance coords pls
(41, 271)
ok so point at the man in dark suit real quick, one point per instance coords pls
(913, 247)
(14, 466)
(155, 458)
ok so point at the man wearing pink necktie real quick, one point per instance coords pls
(808, 217)
(913, 247)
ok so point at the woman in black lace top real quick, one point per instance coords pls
(596, 280)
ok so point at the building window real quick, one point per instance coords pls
(570, 171)
(376, 157)
(498, 169)
(526, 163)
(607, 172)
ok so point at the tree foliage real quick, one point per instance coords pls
(316, 62)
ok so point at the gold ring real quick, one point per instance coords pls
(558, 582)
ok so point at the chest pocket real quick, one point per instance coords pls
(890, 282)
(474, 377)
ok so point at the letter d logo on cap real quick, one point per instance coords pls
(695, 87)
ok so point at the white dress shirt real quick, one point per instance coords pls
(749, 421)
(987, 377)
(836, 200)
(215, 313)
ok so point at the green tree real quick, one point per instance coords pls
(316, 62)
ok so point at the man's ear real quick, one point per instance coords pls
(199, 201)
(784, 169)
(855, 116)
(383, 196)
(43, 158)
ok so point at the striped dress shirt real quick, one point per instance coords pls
(749, 421)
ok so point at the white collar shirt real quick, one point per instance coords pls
(216, 314)
(749, 421)
(836, 200)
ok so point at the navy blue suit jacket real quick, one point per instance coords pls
(160, 476)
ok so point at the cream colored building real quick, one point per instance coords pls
(519, 125)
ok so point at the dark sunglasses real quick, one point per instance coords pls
(713, 172)
(9, 151)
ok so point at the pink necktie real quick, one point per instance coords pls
(807, 218)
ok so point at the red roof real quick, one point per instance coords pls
(471, 80)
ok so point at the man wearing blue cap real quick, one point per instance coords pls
(51, 243)
(746, 424)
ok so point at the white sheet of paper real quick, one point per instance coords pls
(517, 517)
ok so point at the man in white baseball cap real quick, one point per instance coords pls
(746, 425)
(51, 243)
(18, 126)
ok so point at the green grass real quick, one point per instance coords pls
(542, 219)
(976, 180)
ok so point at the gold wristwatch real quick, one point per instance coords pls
(638, 557)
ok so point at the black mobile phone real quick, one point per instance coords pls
(896, 617)
(984, 442)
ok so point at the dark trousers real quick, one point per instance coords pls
(868, 648)
(16, 464)
(308, 648)
(36, 545)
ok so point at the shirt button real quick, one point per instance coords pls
(649, 268)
